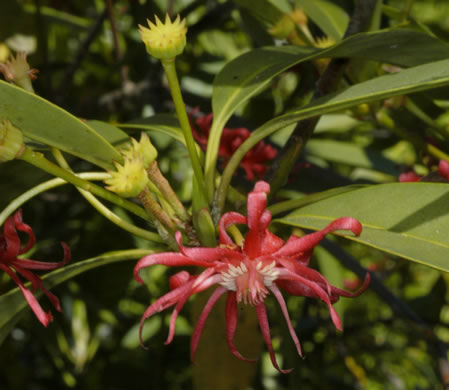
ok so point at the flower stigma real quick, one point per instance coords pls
(250, 281)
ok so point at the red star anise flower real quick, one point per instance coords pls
(248, 273)
(254, 161)
(10, 249)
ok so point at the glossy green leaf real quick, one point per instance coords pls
(263, 10)
(251, 72)
(419, 78)
(162, 123)
(49, 124)
(327, 16)
(13, 304)
(351, 154)
(410, 220)
(109, 132)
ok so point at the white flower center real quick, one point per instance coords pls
(250, 280)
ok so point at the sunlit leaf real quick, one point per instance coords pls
(42, 121)
(410, 220)
(330, 18)
(351, 154)
(161, 123)
(251, 72)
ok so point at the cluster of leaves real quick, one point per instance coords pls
(94, 66)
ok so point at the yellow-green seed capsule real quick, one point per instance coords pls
(144, 149)
(11, 141)
(129, 180)
(18, 71)
(164, 40)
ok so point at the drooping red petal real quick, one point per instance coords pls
(179, 305)
(11, 239)
(299, 245)
(205, 254)
(44, 318)
(164, 302)
(198, 284)
(169, 259)
(36, 282)
(284, 309)
(23, 227)
(265, 329)
(43, 265)
(343, 293)
(306, 272)
(231, 325)
(202, 320)
(228, 219)
(178, 279)
(285, 274)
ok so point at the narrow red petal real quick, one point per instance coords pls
(198, 284)
(37, 283)
(306, 272)
(174, 316)
(300, 245)
(204, 254)
(339, 292)
(23, 227)
(227, 220)
(284, 309)
(12, 240)
(163, 303)
(231, 326)
(169, 259)
(257, 203)
(286, 274)
(178, 279)
(202, 320)
(265, 329)
(44, 318)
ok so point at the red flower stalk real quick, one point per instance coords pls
(254, 161)
(10, 249)
(248, 273)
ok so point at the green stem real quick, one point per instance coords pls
(165, 188)
(155, 210)
(172, 77)
(101, 208)
(114, 218)
(39, 160)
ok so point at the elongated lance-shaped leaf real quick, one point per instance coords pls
(419, 78)
(42, 121)
(251, 72)
(327, 16)
(410, 220)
